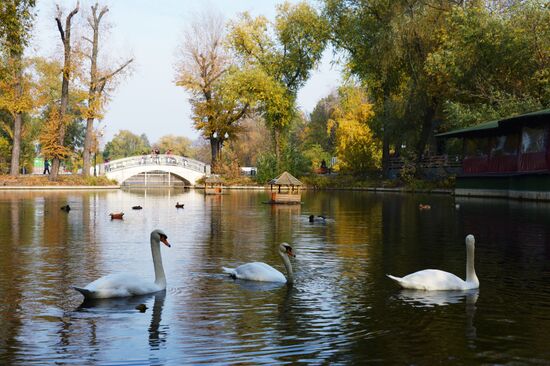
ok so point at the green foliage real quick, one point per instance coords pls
(317, 130)
(284, 53)
(292, 161)
(125, 144)
(16, 20)
(5, 155)
(315, 155)
(460, 115)
(340, 181)
(478, 48)
(267, 167)
(428, 62)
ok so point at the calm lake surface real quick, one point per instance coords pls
(341, 309)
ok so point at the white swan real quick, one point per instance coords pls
(434, 279)
(259, 271)
(125, 284)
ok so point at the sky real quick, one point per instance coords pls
(147, 101)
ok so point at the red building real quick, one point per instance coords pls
(508, 157)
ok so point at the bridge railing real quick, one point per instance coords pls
(160, 160)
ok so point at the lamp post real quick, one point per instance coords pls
(217, 144)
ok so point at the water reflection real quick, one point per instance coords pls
(99, 313)
(117, 304)
(430, 299)
(437, 298)
(259, 285)
(157, 334)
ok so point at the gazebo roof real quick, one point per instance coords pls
(285, 179)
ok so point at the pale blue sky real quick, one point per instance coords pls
(148, 101)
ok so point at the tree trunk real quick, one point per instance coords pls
(16, 148)
(88, 147)
(94, 90)
(216, 151)
(66, 39)
(17, 120)
(277, 145)
(427, 125)
(386, 135)
(385, 154)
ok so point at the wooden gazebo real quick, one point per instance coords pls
(285, 189)
(213, 185)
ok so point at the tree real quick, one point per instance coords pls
(125, 144)
(356, 146)
(251, 142)
(285, 51)
(319, 140)
(58, 123)
(387, 44)
(478, 48)
(47, 76)
(423, 59)
(178, 145)
(97, 83)
(16, 17)
(203, 71)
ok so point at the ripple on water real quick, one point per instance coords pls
(341, 309)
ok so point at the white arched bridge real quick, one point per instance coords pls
(156, 170)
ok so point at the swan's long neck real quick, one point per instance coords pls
(288, 266)
(470, 270)
(160, 278)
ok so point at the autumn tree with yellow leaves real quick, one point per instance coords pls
(16, 20)
(59, 127)
(357, 148)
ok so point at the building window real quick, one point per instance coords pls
(533, 140)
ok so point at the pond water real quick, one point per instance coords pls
(341, 309)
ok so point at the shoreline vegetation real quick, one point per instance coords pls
(68, 180)
(313, 182)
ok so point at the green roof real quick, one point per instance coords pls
(472, 129)
(533, 116)
(542, 115)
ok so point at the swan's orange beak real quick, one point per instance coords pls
(290, 252)
(165, 241)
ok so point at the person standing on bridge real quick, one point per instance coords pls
(156, 153)
(169, 158)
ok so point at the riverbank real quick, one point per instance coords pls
(343, 183)
(67, 181)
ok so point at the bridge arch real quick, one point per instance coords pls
(187, 169)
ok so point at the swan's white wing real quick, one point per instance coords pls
(431, 279)
(256, 271)
(119, 285)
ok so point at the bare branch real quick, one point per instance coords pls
(103, 80)
(60, 27)
(104, 10)
(75, 10)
